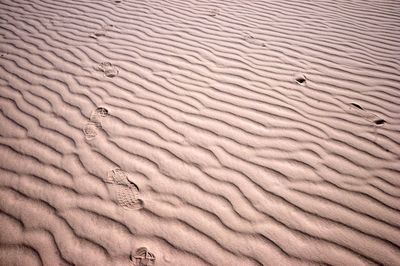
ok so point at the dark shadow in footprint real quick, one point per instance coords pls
(143, 257)
(131, 184)
(97, 115)
(103, 112)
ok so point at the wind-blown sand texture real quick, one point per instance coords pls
(239, 132)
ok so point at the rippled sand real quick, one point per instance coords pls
(199, 132)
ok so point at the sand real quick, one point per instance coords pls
(199, 132)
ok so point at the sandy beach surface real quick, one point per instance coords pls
(228, 133)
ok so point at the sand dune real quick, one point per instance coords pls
(199, 132)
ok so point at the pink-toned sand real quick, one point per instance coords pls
(227, 133)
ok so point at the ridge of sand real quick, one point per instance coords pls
(199, 132)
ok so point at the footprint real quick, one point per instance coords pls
(95, 120)
(143, 257)
(128, 197)
(127, 192)
(118, 176)
(109, 69)
(97, 115)
(213, 12)
(248, 37)
(97, 34)
(358, 110)
(90, 131)
(102, 31)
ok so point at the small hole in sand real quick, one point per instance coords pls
(357, 106)
(301, 80)
(379, 122)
